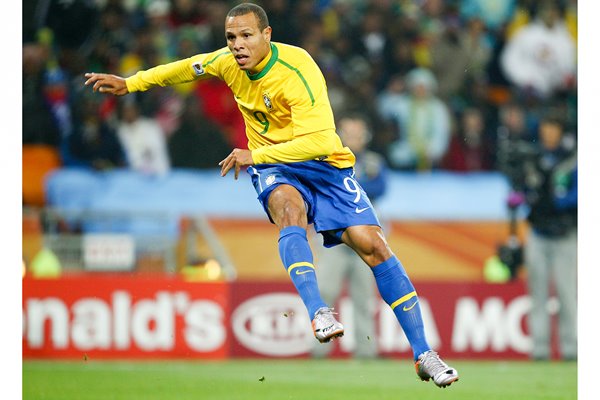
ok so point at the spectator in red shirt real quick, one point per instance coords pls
(470, 148)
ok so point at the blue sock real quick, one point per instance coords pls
(399, 293)
(297, 258)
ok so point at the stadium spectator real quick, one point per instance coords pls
(298, 165)
(514, 122)
(470, 148)
(449, 59)
(197, 145)
(494, 14)
(160, 33)
(422, 123)
(339, 266)
(186, 13)
(551, 247)
(73, 26)
(540, 58)
(39, 125)
(142, 139)
(93, 142)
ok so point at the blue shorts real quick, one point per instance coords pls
(334, 199)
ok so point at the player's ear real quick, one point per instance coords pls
(267, 33)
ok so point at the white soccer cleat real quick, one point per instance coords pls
(325, 326)
(430, 365)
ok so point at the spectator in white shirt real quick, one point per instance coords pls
(541, 56)
(143, 140)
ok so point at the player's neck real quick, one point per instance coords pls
(263, 63)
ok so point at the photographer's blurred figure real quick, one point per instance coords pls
(339, 264)
(550, 191)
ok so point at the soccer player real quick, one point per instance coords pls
(300, 169)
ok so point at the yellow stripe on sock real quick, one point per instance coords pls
(403, 299)
(299, 264)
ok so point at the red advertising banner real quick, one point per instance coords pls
(461, 321)
(119, 316)
(104, 316)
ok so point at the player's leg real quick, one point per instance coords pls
(288, 211)
(393, 283)
(397, 290)
(564, 268)
(364, 302)
(538, 276)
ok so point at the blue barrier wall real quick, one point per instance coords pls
(428, 196)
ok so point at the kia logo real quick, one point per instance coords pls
(274, 324)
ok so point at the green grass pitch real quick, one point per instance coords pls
(291, 379)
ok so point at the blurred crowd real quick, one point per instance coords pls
(441, 81)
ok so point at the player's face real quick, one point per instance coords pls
(246, 41)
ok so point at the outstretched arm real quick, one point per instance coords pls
(107, 83)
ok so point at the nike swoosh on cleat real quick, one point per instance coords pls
(359, 210)
(303, 272)
(410, 307)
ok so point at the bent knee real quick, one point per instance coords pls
(370, 244)
(286, 207)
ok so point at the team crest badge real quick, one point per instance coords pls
(270, 180)
(268, 102)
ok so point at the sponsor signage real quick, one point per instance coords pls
(124, 317)
(108, 252)
(120, 317)
(461, 321)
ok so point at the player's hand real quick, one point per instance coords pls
(236, 160)
(107, 83)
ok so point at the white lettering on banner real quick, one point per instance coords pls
(494, 326)
(54, 310)
(205, 329)
(274, 324)
(121, 316)
(391, 335)
(150, 323)
(153, 323)
(515, 313)
(90, 328)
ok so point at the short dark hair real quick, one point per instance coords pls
(247, 8)
(552, 119)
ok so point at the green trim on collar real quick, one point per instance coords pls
(267, 68)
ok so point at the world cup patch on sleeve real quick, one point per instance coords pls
(198, 68)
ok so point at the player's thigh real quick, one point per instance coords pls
(286, 207)
(369, 242)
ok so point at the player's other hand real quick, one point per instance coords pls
(107, 83)
(236, 160)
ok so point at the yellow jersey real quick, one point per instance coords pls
(285, 106)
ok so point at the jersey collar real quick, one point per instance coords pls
(267, 67)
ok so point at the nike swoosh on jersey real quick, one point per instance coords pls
(359, 210)
(410, 307)
(303, 272)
